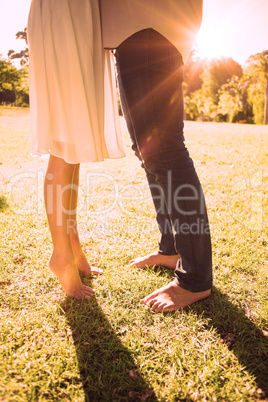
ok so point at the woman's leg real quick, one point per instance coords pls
(60, 188)
(80, 258)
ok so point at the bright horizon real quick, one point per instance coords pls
(228, 30)
(233, 29)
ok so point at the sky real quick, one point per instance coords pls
(13, 18)
(233, 28)
(230, 28)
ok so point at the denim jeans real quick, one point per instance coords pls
(150, 75)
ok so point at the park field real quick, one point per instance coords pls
(111, 347)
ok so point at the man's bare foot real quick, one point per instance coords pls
(172, 297)
(168, 261)
(81, 260)
(68, 276)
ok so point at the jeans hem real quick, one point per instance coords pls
(162, 253)
(193, 288)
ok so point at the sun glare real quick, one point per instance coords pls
(210, 43)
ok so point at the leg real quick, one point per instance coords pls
(150, 70)
(166, 255)
(80, 258)
(59, 187)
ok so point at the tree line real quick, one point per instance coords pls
(14, 86)
(214, 90)
(221, 90)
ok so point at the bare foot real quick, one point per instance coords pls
(81, 260)
(172, 297)
(68, 276)
(84, 266)
(168, 261)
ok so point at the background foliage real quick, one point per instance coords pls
(215, 90)
(221, 90)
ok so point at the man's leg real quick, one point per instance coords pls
(150, 78)
(166, 255)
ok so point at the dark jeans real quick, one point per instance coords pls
(150, 75)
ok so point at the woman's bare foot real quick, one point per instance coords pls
(168, 261)
(68, 276)
(81, 260)
(84, 267)
(172, 297)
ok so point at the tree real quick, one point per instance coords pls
(256, 99)
(217, 72)
(14, 87)
(233, 101)
(7, 96)
(18, 82)
(9, 80)
(257, 67)
(23, 55)
(191, 111)
(22, 90)
(193, 70)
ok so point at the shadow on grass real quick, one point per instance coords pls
(3, 203)
(107, 368)
(241, 335)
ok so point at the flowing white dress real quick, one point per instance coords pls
(72, 88)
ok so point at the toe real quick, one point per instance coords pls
(135, 264)
(151, 302)
(155, 306)
(164, 308)
(152, 296)
(96, 271)
(79, 294)
(86, 295)
(169, 307)
(148, 299)
(145, 300)
(88, 290)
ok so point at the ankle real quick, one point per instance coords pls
(62, 257)
(74, 235)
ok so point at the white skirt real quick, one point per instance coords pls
(73, 102)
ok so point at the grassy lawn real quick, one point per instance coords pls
(111, 348)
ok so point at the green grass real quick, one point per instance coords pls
(111, 348)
